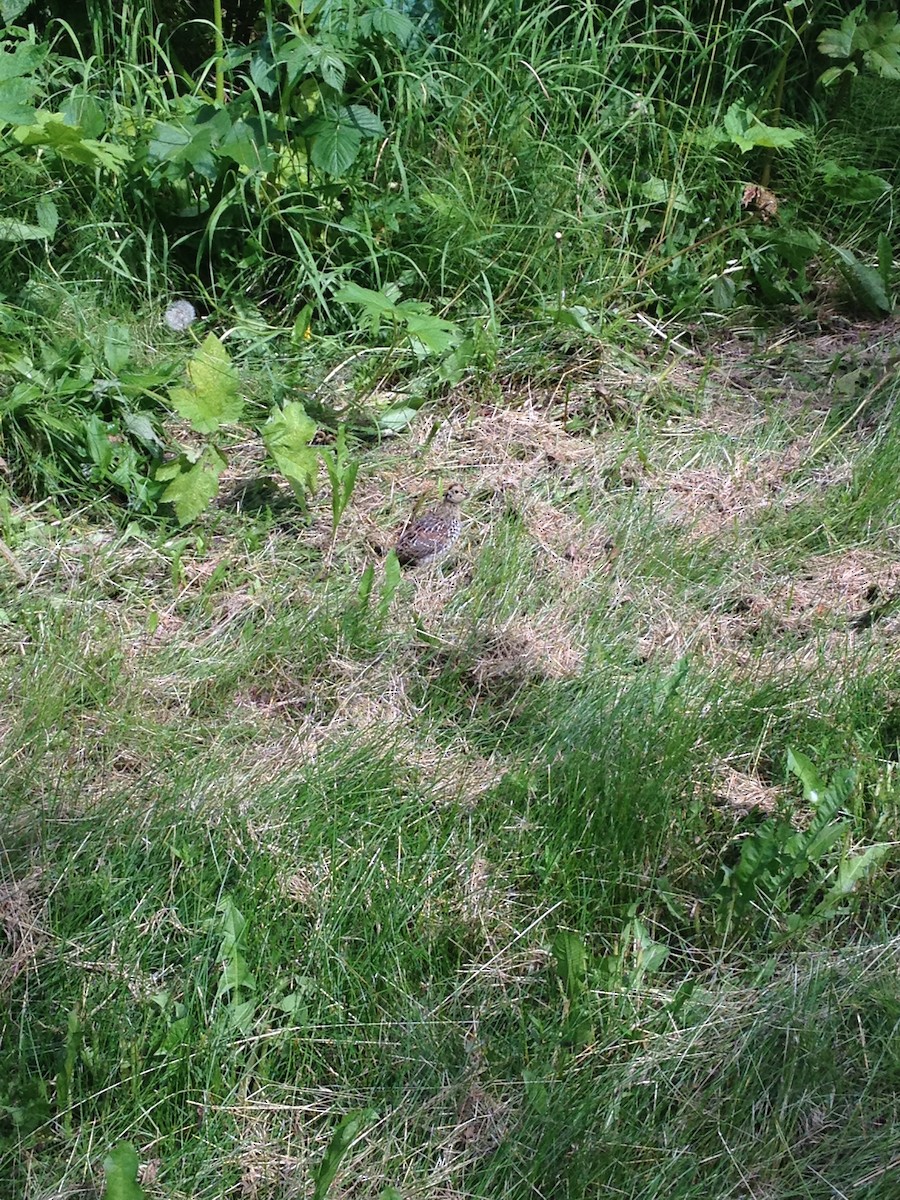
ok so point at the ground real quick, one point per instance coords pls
(277, 849)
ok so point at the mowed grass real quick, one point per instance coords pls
(474, 858)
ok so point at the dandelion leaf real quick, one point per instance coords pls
(121, 1168)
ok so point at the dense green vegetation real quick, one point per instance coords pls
(566, 867)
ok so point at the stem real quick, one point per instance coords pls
(775, 117)
(220, 52)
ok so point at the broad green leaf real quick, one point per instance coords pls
(11, 10)
(24, 60)
(240, 1014)
(348, 1130)
(286, 435)
(879, 39)
(390, 23)
(864, 282)
(570, 962)
(176, 1035)
(192, 487)
(376, 304)
(364, 591)
(212, 398)
(51, 130)
(830, 77)
(430, 334)
(231, 922)
(262, 72)
(536, 1092)
(838, 43)
(357, 116)
(83, 110)
(396, 419)
(117, 346)
(47, 215)
(802, 767)
(849, 185)
(294, 1005)
(748, 132)
(12, 230)
(190, 143)
(335, 146)
(659, 191)
(332, 69)
(242, 146)
(393, 575)
(235, 975)
(816, 844)
(574, 317)
(15, 101)
(854, 869)
(302, 328)
(121, 1169)
(298, 55)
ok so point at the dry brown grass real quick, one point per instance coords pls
(22, 918)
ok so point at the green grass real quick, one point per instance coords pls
(265, 865)
(571, 861)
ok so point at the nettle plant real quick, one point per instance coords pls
(272, 152)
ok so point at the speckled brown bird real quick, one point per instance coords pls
(428, 536)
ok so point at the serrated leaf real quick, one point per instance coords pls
(357, 116)
(838, 43)
(854, 869)
(298, 55)
(333, 70)
(15, 101)
(286, 435)
(12, 230)
(121, 1168)
(852, 186)
(346, 1133)
(11, 10)
(803, 768)
(390, 23)
(262, 72)
(376, 303)
(335, 147)
(25, 59)
(748, 132)
(241, 145)
(864, 282)
(192, 486)
(51, 130)
(231, 923)
(212, 398)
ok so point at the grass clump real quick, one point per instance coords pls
(568, 863)
(565, 866)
